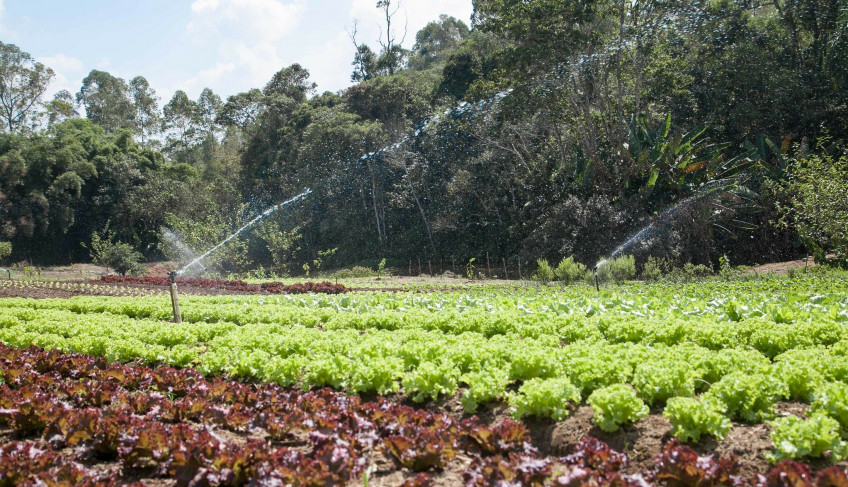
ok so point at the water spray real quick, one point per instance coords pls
(175, 302)
(249, 224)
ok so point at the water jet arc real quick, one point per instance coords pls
(247, 225)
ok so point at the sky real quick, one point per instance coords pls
(227, 45)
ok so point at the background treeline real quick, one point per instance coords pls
(548, 128)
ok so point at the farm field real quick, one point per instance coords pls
(754, 370)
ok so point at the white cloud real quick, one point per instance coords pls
(329, 63)
(254, 20)
(206, 78)
(246, 34)
(69, 73)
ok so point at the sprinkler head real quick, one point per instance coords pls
(173, 276)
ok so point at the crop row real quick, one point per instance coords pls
(166, 423)
(763, 334)
(239, 286)
(80, 288)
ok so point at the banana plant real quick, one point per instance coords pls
(669, 165)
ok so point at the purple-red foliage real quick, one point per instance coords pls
(680, 466)
(238, 286)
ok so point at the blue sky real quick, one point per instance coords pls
(227, 45)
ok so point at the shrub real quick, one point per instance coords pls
(569, 271)
(818, 208)
(118, 256)
(618, 270)
(654, 269)
(544, 273)
(355, 272)
(689, 272)
(615, 405)
(5, 250)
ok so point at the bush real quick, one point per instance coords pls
(618, 270)
(654, 269)
(544, 273)
(689, 272)
(570, 271)
(118, 256)
(355, 272)
(818, 208)
(5, 250)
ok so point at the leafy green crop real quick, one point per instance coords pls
(544, 398)
(749, 397)
(430, 380)
(661, 380)
(831, 399)
(796, 438)
(616, 405)
(691, 418)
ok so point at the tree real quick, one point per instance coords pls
(107, 102)
(146, 106)
(22, 83)
(292, 82)
(61, 108)
(181, 122)
(544, 32)
(392, 54)
(435, 40)
(208, 107)
(364, 64)
(242, 109)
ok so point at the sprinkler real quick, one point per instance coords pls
(595, 273)
(175, 302)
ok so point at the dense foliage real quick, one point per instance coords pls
(546, 129)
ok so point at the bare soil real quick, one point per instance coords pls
(783, 267)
